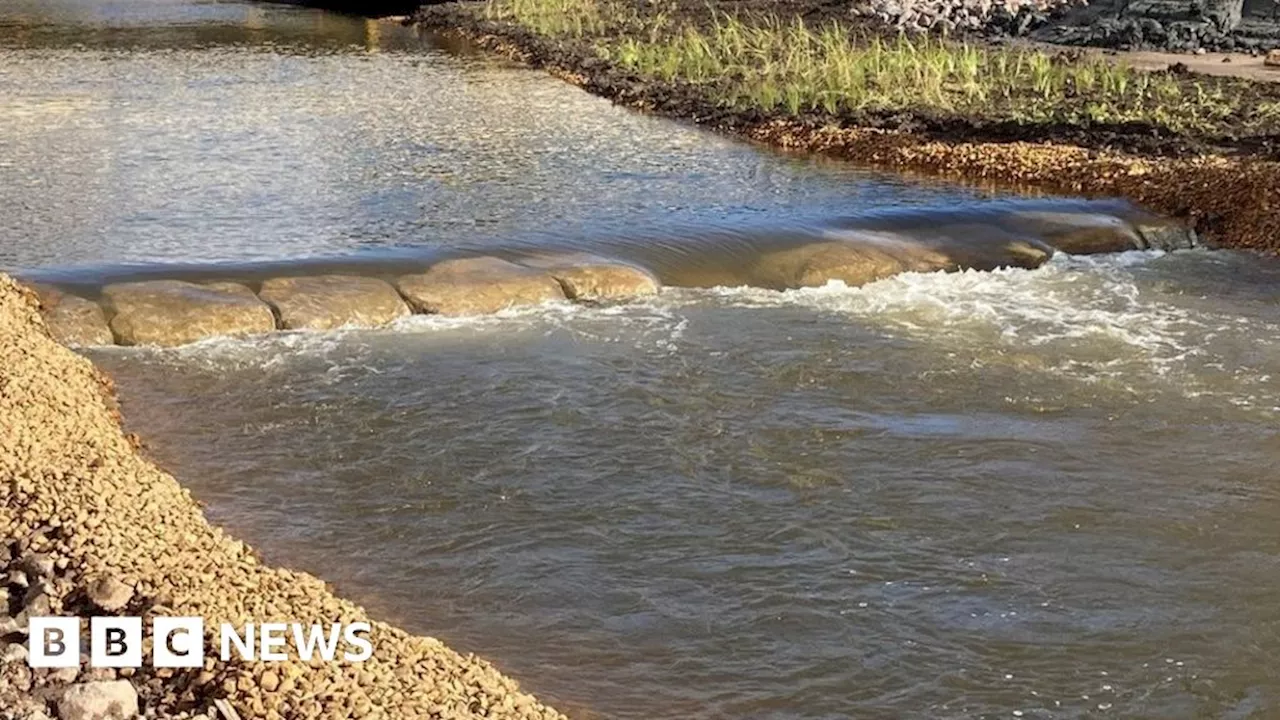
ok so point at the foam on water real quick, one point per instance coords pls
(1091, 318)
(1094, 320)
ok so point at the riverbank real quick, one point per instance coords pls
(94, 528)
(1193, 147)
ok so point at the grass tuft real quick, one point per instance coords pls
(788, 66)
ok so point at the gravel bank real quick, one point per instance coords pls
(91, 527)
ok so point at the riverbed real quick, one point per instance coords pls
(1040, 492)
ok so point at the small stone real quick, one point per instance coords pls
(270, 681)
(63, 676)
(109, 593)
(37, 600)
(114, 700)
(1272, 59)
(13, 653)
(19, 578)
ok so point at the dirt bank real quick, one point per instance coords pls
(1224, 182)
(91, 527)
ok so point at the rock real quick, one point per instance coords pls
(1076, 233)
(1165, 234)
(72, 320)
(594, 278)
(108, 593)
(1272, 59)
(110, 700)
(172, 312)
(270, 681)
(37, 601)
(13, 653)
(471, 286)
(62, 676)
(38, 565)
(325, 302)
(853, 262)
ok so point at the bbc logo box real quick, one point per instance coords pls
(178, 642)
(115, 642)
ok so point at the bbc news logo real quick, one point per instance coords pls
(179, 642)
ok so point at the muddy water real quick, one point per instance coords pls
(1049, 493)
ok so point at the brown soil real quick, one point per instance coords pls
(1226, 186)
(80, 506)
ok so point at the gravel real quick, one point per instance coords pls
(87, 522)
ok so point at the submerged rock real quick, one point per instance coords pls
(1077, 233)
(474, 286)
(851, 262)
(324, 302)
(857, 257)
(172, 312)
(73, 320)
(593, 278)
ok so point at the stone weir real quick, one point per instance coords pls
(167, 311)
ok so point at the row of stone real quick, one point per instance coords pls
(174, 312)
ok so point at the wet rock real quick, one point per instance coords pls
(73, 320)
(594, 278)
(111, 700)
(1164, 234)
(473, 286)
(1077, 233)
(108, 593)
(854, 262)
(325, 302)
(172, 312)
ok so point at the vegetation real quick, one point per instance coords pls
(791, 67)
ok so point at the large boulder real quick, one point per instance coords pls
(72, 320)
(857, 256)
(849, 261)
(1076, 233)
(325, 302)
(106, 700)
(592, 278)
(478, 285)
(173, 312)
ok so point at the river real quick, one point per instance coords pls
(1035, 493)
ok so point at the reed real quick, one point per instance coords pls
(789, 66)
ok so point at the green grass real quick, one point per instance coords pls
(791, 67)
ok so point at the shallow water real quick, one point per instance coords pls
(1043, 492)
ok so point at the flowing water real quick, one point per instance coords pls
(1047, 493)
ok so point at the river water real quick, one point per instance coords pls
(1045, 493)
